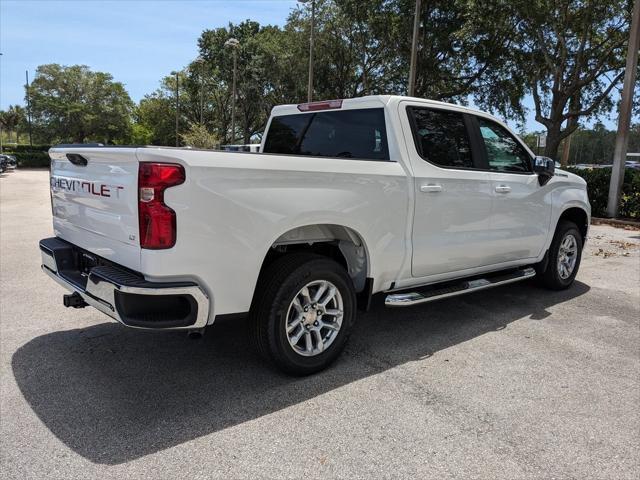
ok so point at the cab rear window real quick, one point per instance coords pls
(358, 134)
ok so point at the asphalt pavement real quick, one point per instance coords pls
(514, 382)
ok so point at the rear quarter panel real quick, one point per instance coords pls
(233, 206)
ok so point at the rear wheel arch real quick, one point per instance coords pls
(338, 242)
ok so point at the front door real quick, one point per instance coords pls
(522, 208)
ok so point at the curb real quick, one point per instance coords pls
(615, 222)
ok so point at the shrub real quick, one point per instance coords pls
(13, 149)
(32, 159)
(598, 187)
(199, 137)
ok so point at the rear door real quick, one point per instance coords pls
(94, 196)
(521, 214)
(452, 195)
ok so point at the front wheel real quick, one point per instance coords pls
(565, 254)
(303, 312)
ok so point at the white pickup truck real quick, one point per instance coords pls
(347, 198)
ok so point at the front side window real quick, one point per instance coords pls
(504, 153)
(357, 134)
(441, 137)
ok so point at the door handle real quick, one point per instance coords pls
(503, 189)
(431, 188)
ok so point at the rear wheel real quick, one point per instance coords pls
(302, 312)
(565, 254)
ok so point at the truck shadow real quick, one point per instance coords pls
(113, 394)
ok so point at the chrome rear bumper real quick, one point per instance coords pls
(124, 295)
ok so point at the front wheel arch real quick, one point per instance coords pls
(579, 217)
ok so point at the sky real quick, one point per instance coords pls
(137, 41)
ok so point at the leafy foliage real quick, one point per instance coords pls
(199, 137)
(567, 54)
(74, 104)
(592, 146)
(32, 159)
(156, 114)
(11, 120)
(570, 55)
(598, 187)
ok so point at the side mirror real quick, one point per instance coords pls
(545, 168)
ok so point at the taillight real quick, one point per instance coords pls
(157, 221)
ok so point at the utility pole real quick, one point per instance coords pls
(234, 44)
(177, 109)
(624, 119)
(411, 88)
(26, 73)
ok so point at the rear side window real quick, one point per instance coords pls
(358, 134)
(504, 153)
(441, 137)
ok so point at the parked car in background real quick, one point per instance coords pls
(415, 199)
(633, 164)
(13, 162)
(5, 163)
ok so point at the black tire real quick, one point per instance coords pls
(277, 287)
(550, 277)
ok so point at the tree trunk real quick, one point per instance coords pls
(565, 151)
(553, 142)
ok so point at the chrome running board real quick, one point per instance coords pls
(433, 292)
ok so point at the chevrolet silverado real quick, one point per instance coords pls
(414, 199)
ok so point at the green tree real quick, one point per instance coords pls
(197, 136)
(11, 120)
(465, 51)
(364, 47)
(570, 55)
(156, 114)
(260, 78)
(356, 48)
(75, 104)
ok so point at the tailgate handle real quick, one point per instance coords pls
(77, 159)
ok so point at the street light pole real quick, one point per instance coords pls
(311, 42)
(233, 43)
(311, 47)
(624, 119)
(28, 107)
(177, 109)
(233, 102)
(411, 88)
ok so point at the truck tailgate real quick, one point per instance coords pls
(94, 196)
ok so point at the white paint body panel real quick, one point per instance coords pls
(233, 206)
(96, 206)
